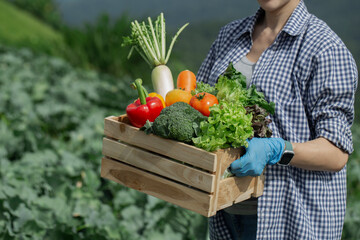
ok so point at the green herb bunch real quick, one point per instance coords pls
(242, 113)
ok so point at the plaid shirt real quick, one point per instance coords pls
(311, 76)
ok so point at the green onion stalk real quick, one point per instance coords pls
(149, 40)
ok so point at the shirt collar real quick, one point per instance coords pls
(293, 26)
(297, 21)
(249, 27)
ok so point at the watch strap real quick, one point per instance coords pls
(288, 154)
(288, 146)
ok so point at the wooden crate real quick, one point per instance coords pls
(173, 171)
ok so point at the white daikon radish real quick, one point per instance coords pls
(150, 42)
(162, 80)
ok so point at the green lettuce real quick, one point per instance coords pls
(204, 87)
(227, 126)
(241, 114)
(231, 87)
(257, 98)
(230, 90)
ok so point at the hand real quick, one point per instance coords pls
(260, 152)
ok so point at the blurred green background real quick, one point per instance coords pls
(63, 70)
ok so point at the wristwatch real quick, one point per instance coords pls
(288, 154)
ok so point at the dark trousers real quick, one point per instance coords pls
(241, 227)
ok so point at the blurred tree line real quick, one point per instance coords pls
(44, 10)
(94, 46)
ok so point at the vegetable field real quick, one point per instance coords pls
(51, 127)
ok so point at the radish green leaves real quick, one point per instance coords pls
(149, 40)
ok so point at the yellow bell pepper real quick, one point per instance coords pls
(154, 94)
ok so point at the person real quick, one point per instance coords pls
(302, 66)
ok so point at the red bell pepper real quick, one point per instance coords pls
(144, 108)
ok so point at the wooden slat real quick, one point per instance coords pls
(159, 165)
(156, 186)
(173, 149)
(227, 156)
(218, 174)
(233, 190)
(259, 186)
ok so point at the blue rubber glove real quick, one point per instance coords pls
(260, 152)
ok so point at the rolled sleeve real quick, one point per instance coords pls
(332, 95)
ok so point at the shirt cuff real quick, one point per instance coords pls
(337, 132)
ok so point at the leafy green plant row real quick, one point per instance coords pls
(51, 128)
(352, 219)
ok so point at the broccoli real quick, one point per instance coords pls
(178, 121)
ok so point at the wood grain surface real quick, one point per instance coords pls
(156, 186)
(158, 164)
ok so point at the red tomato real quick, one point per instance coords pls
(202, 102)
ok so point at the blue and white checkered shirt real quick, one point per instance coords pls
(312, 77)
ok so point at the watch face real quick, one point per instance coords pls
(286, 157)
